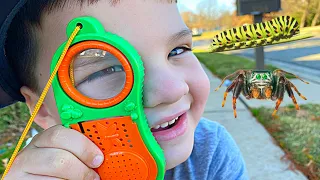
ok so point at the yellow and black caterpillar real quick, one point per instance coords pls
(258, 34)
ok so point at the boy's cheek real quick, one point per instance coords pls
(199, 85)
(200, 90)
(52, 109)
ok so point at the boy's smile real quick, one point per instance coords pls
(169, 127)
(175, 86)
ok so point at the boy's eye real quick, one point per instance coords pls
(104, 72)
(179, 50)
(98, 75)
(103, 84)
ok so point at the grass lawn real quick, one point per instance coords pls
(13, 120)
(296, 132)
(222, 65)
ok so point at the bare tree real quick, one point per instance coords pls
(209, 12)
(305, 13)
(189, 18)
(316, 17)
(226, 20)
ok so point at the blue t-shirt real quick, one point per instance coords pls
(215, 156)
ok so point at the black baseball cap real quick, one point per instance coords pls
(9, 83)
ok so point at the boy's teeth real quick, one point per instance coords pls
(164, 124)
(172, 121)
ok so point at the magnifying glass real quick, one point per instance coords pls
(98, 92)
(96, 74)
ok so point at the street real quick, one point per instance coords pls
(304, 53)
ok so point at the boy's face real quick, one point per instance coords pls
(175, 82)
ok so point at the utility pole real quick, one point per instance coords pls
(259, 53)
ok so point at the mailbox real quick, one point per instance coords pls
(257, 6)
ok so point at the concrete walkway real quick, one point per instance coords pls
(262, 156)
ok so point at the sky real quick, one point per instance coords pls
(192, 4)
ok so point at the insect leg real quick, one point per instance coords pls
(236, 93)
(228, 90)
(291, 95)
(275, 91)
(280, 93)
(229, 76)
(245, 92)
(295, 88)
(279, 71)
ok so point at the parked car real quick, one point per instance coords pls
(197, 32)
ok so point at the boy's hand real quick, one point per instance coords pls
(57, 153)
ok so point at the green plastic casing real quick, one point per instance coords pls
(71, 112)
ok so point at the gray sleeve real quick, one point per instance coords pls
(215, 156)
(227, 162)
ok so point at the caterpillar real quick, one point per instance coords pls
(258, 34)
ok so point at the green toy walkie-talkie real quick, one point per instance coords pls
(99, 92)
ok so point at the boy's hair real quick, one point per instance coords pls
(21, 43)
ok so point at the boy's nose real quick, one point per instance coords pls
(164, 88)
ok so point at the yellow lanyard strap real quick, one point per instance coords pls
(40, 101)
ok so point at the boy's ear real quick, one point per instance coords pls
(43, 117)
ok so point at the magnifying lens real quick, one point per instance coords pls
(99, 92)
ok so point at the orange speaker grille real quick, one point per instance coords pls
(126, 156)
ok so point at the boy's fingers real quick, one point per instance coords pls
(56, 163)
(35, 177)
(70, 140)
(32, 177)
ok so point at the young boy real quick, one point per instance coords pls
(175, 85)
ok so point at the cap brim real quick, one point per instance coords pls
(5, 99)
(9, 83)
